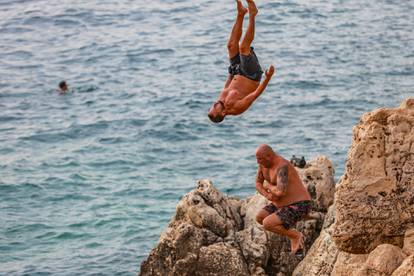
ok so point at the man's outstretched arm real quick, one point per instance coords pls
(247, 101)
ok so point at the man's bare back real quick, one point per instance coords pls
(243, 84)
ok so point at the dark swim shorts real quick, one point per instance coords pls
(247, 66)
(290, 214)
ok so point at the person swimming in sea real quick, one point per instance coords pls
(63, 87)
(279, 182)
(243, 84)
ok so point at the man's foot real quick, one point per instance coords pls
(297, 243)
(252, 8)
(241, 10)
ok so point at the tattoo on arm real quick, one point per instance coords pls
(282, 178)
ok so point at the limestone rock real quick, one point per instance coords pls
(203, 217)
(220, 259)
(321, 257)
(406, 268)
(212, 234)
(382, 261)
(318, 178)
(375, 197)
(348, 264)
(408, 248)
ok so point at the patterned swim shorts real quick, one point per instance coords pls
(292, 213)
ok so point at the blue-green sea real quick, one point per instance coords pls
(89, 180)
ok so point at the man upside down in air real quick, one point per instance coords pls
(243, 84)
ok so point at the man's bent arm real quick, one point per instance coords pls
(259, 184)
(261, 190)
(247, 101)
(282, 182)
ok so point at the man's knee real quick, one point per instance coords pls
(260, 218)
(232, 46)
(271, 226)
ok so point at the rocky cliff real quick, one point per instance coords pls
(213, 234)
(366, 228)
(371, 229)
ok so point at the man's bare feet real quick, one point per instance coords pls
(297, 243)
(241, 10)
(251, 6)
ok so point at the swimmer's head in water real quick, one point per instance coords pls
(216, 112)
(63, 86)
(264, 155)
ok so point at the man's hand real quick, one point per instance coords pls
(269, 196)
(269, 72)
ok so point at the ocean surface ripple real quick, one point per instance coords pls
(89, 180)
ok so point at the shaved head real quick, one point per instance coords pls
(216, 112)
(265, 155)
(264, 149)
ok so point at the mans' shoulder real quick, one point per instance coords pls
(283, 167)
(283, 164)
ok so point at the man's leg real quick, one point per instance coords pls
(236, 32)
(249, 35)
(261, 215)
(273, 223)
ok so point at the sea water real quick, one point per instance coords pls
(89, 180)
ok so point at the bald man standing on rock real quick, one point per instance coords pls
(278, 181)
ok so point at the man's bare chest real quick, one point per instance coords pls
(243, 85)
(270, 176)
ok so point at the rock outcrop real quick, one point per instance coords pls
(370, 231)
(375, 198)
(322, 256)
(366, 228)
(213, 234)
(406, 268)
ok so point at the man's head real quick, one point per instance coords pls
(216, 112)
(265, 155)
(63, 86)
